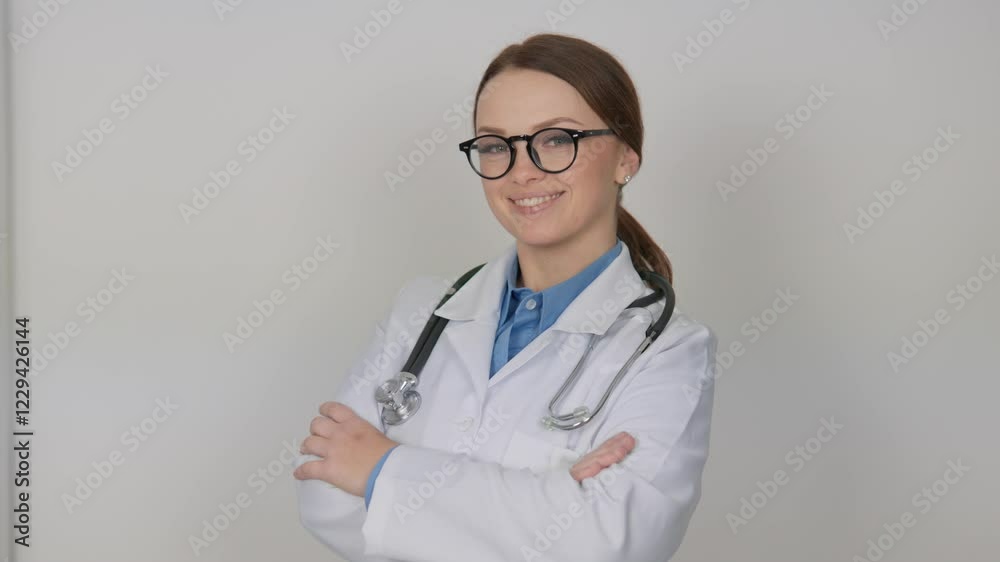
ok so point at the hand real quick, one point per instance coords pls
(610, 452)
(350, 448)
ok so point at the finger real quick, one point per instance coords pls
(308, 470)
(613, 450)
(322, 426)
(594, 456)
(620, 440)
(583, 473)
(596, 461)
(613, 456)
(315, 445)
(593, 468)
(586, 467)
(604, 460)
(586, 470)
(628, 440)
(585, 461)
(337, 412)
(613, 441)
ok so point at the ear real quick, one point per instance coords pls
(628, 164)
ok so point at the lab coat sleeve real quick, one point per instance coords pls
(331, 515)
(434, 505)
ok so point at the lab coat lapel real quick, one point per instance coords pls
(474, 313)
(597, 307)
(592, 311)
(515, 362)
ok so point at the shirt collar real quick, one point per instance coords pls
(478, 301)
(554, 300)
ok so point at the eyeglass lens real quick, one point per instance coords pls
(552, 150)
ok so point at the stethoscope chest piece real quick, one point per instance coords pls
(399, 398)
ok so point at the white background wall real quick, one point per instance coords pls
(824, 358)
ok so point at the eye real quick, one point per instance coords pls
(555, 139)
(490, 146)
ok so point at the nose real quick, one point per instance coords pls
(524, 170)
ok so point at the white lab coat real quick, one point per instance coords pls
(477, 478)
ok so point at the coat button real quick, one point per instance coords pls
(464, 424)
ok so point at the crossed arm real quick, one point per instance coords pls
(640, 512)
(434, 505)
(349, 447)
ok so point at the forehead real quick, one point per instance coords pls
(516, 101)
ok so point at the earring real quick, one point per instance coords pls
(627, 179)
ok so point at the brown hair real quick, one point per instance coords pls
(607, 88)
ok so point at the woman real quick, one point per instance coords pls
(474, 475)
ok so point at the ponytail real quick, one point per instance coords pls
(645, 253)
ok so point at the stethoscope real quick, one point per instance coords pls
(399, 398)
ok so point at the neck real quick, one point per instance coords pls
(541, 267)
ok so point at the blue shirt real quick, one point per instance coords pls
(523, 315)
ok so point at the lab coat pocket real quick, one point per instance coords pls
(536, 454)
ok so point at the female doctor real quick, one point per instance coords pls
(474, 475)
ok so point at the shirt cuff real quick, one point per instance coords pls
(370, 487)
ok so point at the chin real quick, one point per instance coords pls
(538, 237)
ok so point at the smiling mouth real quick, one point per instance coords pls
(530, 202)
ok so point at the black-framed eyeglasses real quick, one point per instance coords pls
(552, 149)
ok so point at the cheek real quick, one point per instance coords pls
(590, 178)
(592, 166)
(593, 197)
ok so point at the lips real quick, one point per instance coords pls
(526, 199)
(535, 203)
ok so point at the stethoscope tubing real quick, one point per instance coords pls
(436, 324)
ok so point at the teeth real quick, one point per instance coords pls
(535, 200)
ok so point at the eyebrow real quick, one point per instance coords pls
(537, 126)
